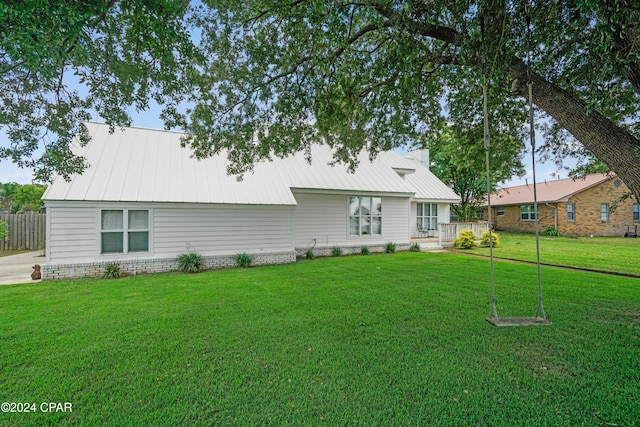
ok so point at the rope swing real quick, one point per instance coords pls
(540, 318)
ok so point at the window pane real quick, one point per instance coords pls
(376, 225)
(112, 242)
(434, 210)
(365, 206)
(433, 224)
(365, 225)
(354, 204)
(354, 226)
(420, 208)
(604, 211)
(112, 220)
(138, 220)
(139, 241)
(377, 206)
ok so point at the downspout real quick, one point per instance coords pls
(555, 215)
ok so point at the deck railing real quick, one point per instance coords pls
(449, 232)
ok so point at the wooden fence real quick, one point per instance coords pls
(449, 232)
(26, 231)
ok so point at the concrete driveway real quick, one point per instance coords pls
(17, 268)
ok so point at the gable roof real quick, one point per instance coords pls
(146, 165)
(547, 192)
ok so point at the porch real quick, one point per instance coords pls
(447, 233)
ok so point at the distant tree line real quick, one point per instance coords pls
(17, 198)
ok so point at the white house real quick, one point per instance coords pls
(144, 200)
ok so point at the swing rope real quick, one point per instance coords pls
(487, 145)
(532, 136)
(540, 317)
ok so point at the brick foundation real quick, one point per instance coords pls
(154, 265)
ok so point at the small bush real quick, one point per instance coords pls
(244, 260)
(336, 251)
(415, 247)
(484, 239)
(551, 231)
(112, 271)
(309, 254)
(390, 247)
(364, 250)
(190, 263)
(466, 240)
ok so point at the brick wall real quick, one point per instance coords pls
(157, 265)
(587, 213)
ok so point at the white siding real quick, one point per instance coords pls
(71, 232)
(325, 217)
(74, 230)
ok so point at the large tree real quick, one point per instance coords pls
(261, 78)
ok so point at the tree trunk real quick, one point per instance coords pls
(610, 143)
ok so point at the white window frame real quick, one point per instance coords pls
(636, 212)
(500, 210)
(604, 212)
(571, 212)
(430, 220)
(125, 230)
(371, 216)
(530, 213)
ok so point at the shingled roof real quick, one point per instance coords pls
(548, 191)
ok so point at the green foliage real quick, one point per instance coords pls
(4, 231)
(336, 251)
(364, 250)
(309, 254)
(28, 198)
(466, 240)
(244, 260)
(112, 271)
(551, 231)
(457, 155)
(390, 247)
(190, 262)
(354, 75)
(415, 247)
(484, 238)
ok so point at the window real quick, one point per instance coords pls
(124, 229)
(427, 216)
(365, 216)
(527, 213)
(604, 211)
(571, 212)
(636, 212)
(501, 211)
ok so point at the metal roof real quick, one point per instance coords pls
(146, 165)
(547, 192)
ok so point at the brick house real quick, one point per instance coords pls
(592, 205)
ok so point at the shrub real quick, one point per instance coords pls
(390, 247)
(190, 263)
(112, 271)
(4, 232)
(466, 240)
(336, 251)
(309, 254)
(244, 260)
(484, 239)
(551, 231)
(364, 250)
(415, 247)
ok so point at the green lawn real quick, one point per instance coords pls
(378, 340)
(612, 254)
